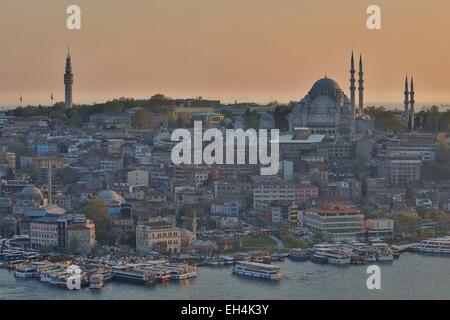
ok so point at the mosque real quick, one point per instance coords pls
(327, 110)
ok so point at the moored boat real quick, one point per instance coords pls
(299, 255)
(26, 271)
(258, 270)
(96, 281)
(433, 246)
(128, 274)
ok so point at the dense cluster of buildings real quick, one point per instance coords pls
(333, 164)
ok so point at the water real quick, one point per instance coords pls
(411, 277)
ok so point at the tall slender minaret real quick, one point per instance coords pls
(194, 224)
(49, 189)
(68, 81)
(411, 103)
(406, 102)
(352, 85)
(361, 86)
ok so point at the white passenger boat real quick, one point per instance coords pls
(384, 253)
(181, 271)
(433, 245)
(339, 258)
(26, 271)
(258, 270)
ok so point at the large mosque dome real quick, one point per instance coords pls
(324, 86)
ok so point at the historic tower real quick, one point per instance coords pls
(68, 82)
(406, 102)
(361, 86)
(352, 85)
(411, 103)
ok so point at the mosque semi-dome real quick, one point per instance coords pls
(266, 121)
(111, 197)
(31, 191)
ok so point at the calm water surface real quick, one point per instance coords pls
(411, 277)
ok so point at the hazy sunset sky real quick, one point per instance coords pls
(245, 50)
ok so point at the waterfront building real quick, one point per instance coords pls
(81, 237)
(380, 228)
(63, 232)
(339, 222)
(157, 235)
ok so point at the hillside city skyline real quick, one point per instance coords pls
(253, 51)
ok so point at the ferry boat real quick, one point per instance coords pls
(96, 281)
(277, 257)
(26, 271)
(433, 245)
(181, 271)
(319, 257)
(384, 253)
(216, 262)
(258, 270)
(337, 257)
(261, 259)
(161, 274)
(299, 255)
(228, 260)
(127, 274)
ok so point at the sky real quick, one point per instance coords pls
(244, 50)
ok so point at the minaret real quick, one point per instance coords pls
(194, 224)
(49, 191)
(411, 103)
(68, 81)
(406, 102)
(361, 86)
(352, 85)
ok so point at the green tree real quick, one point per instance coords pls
(3, 228)
(141, 119)
(74, 246)
(68, 175)
(97, 211)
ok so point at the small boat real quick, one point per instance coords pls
(299, 255)
(395, 252)
(96, 281)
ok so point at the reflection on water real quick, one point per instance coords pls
(411, 277)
